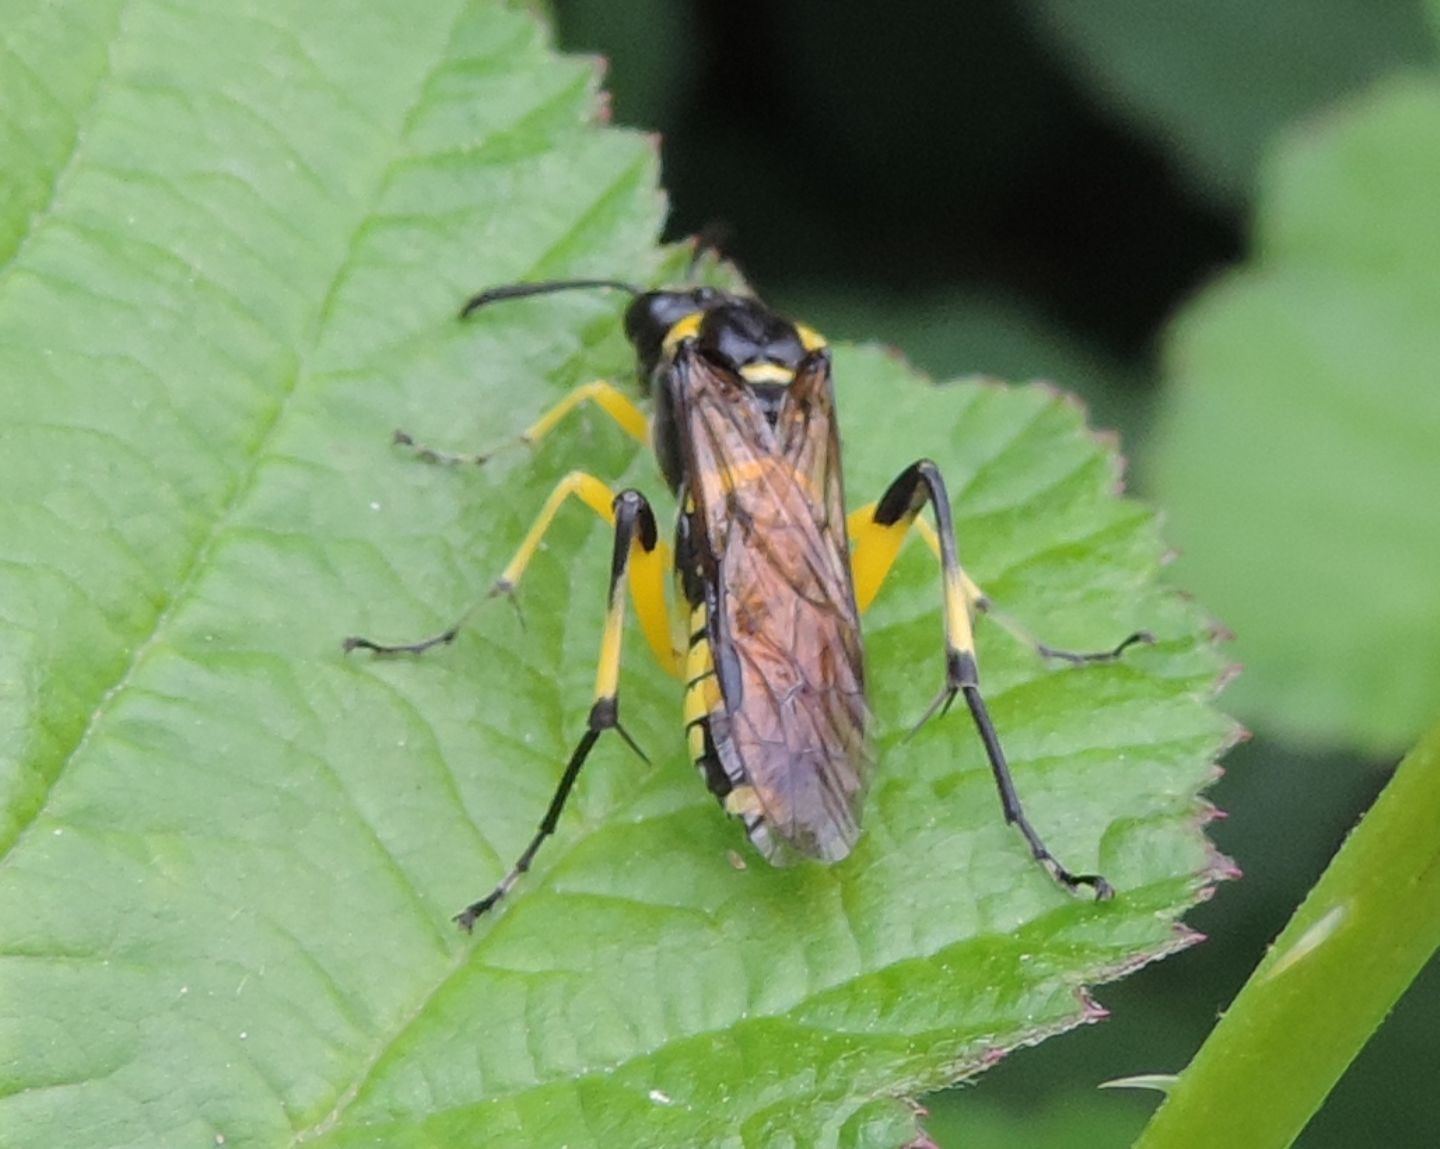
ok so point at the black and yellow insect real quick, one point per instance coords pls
(764, 629)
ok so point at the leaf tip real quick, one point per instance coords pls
(1187, 936)
(1222, 868)
(1091, 1011)
(1237, 734)
(1207, 812)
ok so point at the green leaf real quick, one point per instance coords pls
(1297, 444)
(1325, 986)
(1214, 82)
(949, 333)
(231, 854)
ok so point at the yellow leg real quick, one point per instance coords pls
(873, 550)
(635, 541)
(884, 545)
(606, 396)
(877, 532)
(647, 569)
(886, 541)
(591, 491)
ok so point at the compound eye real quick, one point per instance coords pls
(705, 296)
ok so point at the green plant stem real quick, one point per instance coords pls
(1352, 948)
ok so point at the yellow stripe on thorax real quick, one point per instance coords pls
(682, 330)
(767, 373)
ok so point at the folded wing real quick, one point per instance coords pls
(783, 626)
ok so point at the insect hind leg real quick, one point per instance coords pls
(982, 602)
(636, 537)
(871, 571)
(877, 532)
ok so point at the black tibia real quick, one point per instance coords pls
(634, 526)
(1138, 638)
(901, 503)
(446, 636)
(1045, 650)
(467, 917)
(1014, 811)
(358, 642)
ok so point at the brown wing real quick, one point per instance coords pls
(783, 626)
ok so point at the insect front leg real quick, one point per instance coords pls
(877, 533)
(636, 544)
(609, 398)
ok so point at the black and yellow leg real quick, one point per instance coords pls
(648, 573)
(636, 538)
(877, 541)
(606, 396)
(975, 598)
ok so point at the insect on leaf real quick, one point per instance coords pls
(230, 854)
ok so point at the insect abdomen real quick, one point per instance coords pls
(702, 700)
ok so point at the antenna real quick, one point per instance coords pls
(548, 287)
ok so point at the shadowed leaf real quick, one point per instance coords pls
(1297, 447)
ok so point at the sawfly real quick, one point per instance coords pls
(770, 575)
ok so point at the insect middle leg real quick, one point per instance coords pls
(648, 574)
(609, 398)
(877, 532)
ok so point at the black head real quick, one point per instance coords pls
(652, 314)
(735, 331)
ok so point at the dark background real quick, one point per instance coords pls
(1034, 191)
